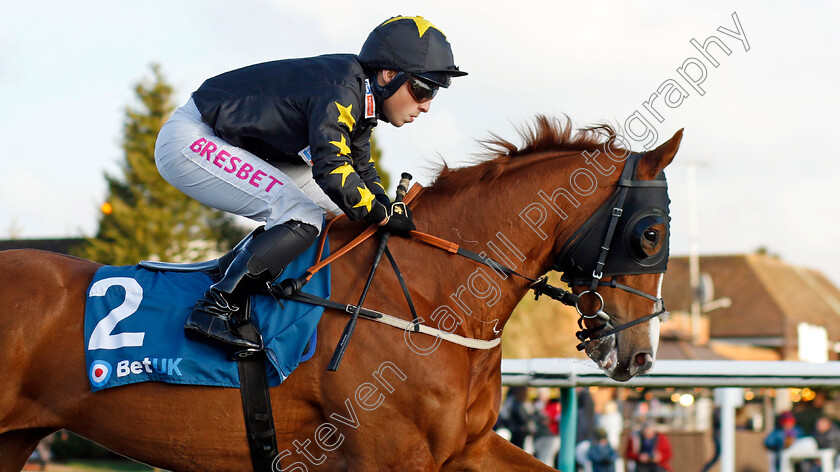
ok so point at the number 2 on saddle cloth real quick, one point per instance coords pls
(134, 319)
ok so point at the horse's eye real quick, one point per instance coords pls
(648, 236)
(650, 240)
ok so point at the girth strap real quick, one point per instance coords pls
(256, 405)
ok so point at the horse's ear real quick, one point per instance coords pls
(654, 161)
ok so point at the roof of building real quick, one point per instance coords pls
(769, 297)
(680, 349)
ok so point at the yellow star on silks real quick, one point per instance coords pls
(422, 23)
(343, 149)
(344, 170)
(344, 115)
(367, 198)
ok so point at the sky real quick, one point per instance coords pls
(759, 136)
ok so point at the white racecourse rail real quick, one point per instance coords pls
(726, 376)
(673, 373)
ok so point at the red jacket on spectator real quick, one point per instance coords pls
(662, 449)
(552, 412)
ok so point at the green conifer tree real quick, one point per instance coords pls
(144, 217)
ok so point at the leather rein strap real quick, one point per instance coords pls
(290, 288)
(539, 286)
(415, 190)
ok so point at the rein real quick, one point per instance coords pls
(291, 288)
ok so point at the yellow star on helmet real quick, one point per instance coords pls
(343, 170)
(422, 23)
(345, 116)
(343, 149)
(367, 198)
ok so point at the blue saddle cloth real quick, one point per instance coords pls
(134, 328)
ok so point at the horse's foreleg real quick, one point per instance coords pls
(17, 446)
(493, 452)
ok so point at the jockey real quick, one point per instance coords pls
(283, 142)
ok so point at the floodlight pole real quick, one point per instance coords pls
(693, 253)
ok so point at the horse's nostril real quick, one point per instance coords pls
(644, 361)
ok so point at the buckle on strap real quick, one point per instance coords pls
(617, 212)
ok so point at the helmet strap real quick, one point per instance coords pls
(383, 92)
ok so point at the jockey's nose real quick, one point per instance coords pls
(424, 106)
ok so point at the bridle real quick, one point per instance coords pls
(634, 208)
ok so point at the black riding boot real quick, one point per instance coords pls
(214, 317)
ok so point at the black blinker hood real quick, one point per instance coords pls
(645, 203)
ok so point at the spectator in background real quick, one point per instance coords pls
(501, 427)
(649, 450)
(612, 422)
(547, 439)
(808, 412)
(827, 434)
(781, 438)
(601, 454)
(521, 420)
(715, 439)
(585, 416)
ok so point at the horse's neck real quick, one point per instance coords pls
(513, 221)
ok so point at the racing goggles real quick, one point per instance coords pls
(421, 90)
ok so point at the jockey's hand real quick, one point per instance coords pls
(399, 219)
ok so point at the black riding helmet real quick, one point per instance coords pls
(411, 45)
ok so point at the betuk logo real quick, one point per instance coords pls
(149, 366)
(100, 373)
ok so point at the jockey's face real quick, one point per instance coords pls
(401, 107)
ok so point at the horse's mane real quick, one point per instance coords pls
(545, 134)
(545, 137)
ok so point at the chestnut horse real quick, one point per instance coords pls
(401, 401)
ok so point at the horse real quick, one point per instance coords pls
(401, 400)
